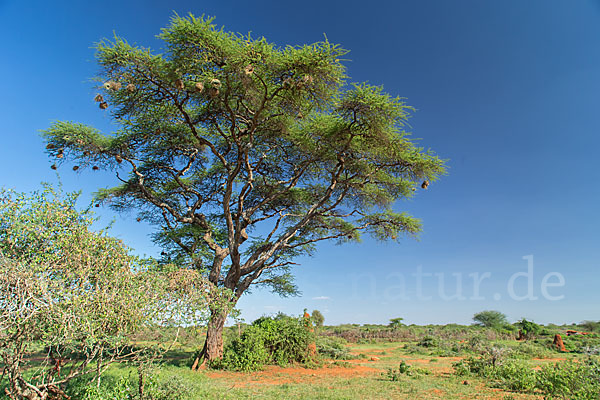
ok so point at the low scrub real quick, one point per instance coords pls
(404, 369)
(333, 348)
(564, 380)
(570, 380)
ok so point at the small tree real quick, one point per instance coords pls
(396, 322)
(75, 293)
(246, 155)
(490, 319)
(528, 329)
(318, 318)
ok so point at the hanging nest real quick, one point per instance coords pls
(75, 167)
(308, 79)
(49, 146)
(216, 84)
(53, 166)
(138, 219)
(98, 98)
(249, 70)
(119, 159)
(112, 85)
(414, 189)
(179, 84)
(95, 168)
(213, 92)
(425, 184)
(86, 153)
(103, 105)
(131, 87)
(199, 87)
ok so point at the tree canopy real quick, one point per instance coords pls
(490, 319)
(245, 155)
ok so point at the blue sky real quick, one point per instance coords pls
(507, 91)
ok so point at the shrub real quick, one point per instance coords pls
(428, 341)
(78, 295)
(404, 369)
(570, 380)
(514, 375)
(590, 326)
(529, 329)
(333, 347)
(269, 340)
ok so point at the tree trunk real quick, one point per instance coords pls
(213, 346)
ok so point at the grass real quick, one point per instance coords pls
(365, 376)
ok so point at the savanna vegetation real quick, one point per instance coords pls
(243, 155)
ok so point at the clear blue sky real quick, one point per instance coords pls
(506, 90)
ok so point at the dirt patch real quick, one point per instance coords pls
(273, 375)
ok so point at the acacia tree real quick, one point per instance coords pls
(245, 155)
(490, 319)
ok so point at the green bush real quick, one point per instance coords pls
(276, 340)
(428, 341)
(529, 329)
(514, 375)
(570, 380)
(333, 347)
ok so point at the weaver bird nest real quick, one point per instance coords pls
(112, 85)
(216, 84)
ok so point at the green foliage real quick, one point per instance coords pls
(529, 329)
(276, 340)
(317, 318)
(570, 380)
(243, 154)
(396, 322)
(122, 390)
(428, 342)
(514, 375)
(590, 326)
(333, 347)
(78, 294)
(122, 387)
(404, 369)
(490, 319)
(508, 374)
